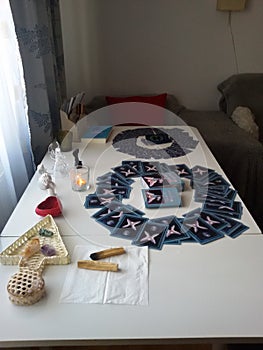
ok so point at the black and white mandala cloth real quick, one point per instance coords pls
(155, 143)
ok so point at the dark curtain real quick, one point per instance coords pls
(38, 29)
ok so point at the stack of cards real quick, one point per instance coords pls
(181, 170)
(168, 179)
(218, 201)
(126, 171)
(109, 187)
(161, 197)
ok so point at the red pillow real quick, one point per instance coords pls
(158, 100)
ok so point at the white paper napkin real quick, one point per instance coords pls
(127, 286)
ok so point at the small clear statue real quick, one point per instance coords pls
(52, 149)
(61, 168)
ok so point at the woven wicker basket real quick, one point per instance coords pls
(12, 254)
(27, 286)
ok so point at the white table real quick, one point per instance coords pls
(210, 293)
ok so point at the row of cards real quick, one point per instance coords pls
(161, 186)
(215, 219)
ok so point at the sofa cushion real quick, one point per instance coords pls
(98, 102)
(245, 119)
(243, 90)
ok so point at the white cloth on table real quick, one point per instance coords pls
(127, 286)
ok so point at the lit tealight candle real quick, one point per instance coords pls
(81, 183)
(80, 178)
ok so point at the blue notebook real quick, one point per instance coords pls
(97, 133)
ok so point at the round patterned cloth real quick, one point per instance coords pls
(154, 143)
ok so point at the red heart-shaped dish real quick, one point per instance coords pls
(51, 205)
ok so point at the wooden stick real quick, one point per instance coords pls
(107, 253)
(97, 265)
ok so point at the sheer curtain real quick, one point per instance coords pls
(16, 161)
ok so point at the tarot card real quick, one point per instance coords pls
(135, 164)
(168, 221)
(215, 197)
(152, 235)
(161, 197)
(209, 197)
(172, 179)
(189, 240)
(218, 202)
(182, 170)
(154, 180)
(234, 211)
(113, 181)
(210, 187)
(102, 212)
(164, 220)
(129, 226)
(111, 220)
(135, 211)
(110, 176)
(169, 179)
(234, 228)
(212, 200)
(175, 233)
(105, 176)
(219, 180)
(216, 191)
(149, 168)
(201, 231)
(201, 173)
(123, 191)
(97, 201)
(231, 195)
(126, 171)
(238, 231)
(117, 206)
(211, 219)
(226, 196)
(191, 214)
(212, 182)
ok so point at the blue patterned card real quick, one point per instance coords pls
(161, 197)
(152, 235)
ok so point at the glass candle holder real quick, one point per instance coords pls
(79, 178)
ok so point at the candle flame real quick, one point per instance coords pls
(80, 181)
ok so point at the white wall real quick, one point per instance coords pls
(183, 47)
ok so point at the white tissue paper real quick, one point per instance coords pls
(127, 286)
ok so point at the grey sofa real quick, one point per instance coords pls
(238, 153)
